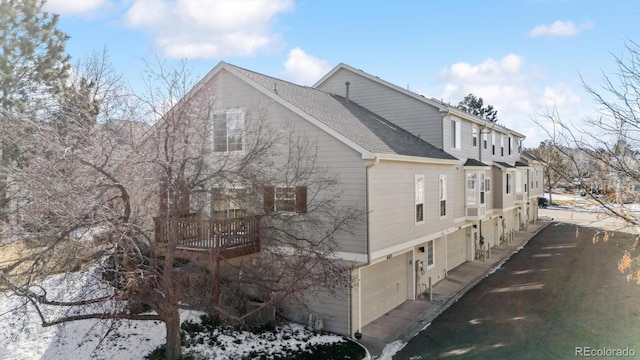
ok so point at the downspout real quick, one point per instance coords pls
(480, 144)
(358, 334)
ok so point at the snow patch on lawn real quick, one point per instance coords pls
(22, 336)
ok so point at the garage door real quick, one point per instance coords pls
(488, 232)
(384, 286)
(456, 248)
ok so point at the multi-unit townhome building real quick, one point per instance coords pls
(438, 186)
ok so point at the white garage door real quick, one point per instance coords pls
(488, 232)
(456, 248)
(384, 286)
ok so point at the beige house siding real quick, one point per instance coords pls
(332, 154)
(392, 202)
(411, 114)
(331, 309)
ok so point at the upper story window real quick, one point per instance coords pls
(419, 194)
(485, 140)
(442, 195)
(501, 144)
(228, 131)
(482, 188)
(508, 183)
(471, 189)
(474, 136)
(493, 143)
(487, 184)
(285, 199)
(509, 144)
(455, 134)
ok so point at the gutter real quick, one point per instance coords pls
(368, 250)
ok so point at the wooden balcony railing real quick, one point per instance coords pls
(200, 232)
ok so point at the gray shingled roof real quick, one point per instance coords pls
(354, 122)
(474, 162)
(505, 165)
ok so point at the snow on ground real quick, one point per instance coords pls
(390, 350)
(22, 336)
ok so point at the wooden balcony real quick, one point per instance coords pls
(229, 237)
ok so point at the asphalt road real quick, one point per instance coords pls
(560, 297)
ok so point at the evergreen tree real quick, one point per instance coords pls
(475, 105)
(33, 69)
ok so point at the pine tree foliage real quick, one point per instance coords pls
(32, 54)
(475, 105)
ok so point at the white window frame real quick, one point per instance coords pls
(431, 248)
(442, 195)
(487, 184)
(501, 144)
(472, 179)
(419, 198)
(485, 140)
(239, 123)
(493, 143)
(509, 145)
(454, 130)
(483, 195)
(507, 183)
(474, 136)
(275, 199)
(518, 180)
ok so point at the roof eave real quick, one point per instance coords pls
(416, 159)
(366, 154)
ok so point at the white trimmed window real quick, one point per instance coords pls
(493, 143)
(487, 184)
(501, 144)
(471, 189)
(442, 195)
(518, 182)
(285, 199)
(228, 131)
(482, 188)
(419, 195)
(455, 134)
(474, 135)
(485, 140)
(508, 183)
(509, 144)
(431, 254)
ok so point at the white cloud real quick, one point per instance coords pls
(208, 29)
(517, 91)
(303, 68)
(72, 7)
(559, 29)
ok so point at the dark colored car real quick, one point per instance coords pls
(543, 202)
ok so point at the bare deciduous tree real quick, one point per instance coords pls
(184, 216)
(609, 142)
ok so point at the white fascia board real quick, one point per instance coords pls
(416, 159)
(511, 169)
(366, 154)
(477, 167)
(403, 247)
(354, 257)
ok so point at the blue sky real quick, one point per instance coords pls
(519, 56)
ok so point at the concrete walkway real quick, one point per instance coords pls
(407, 320)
